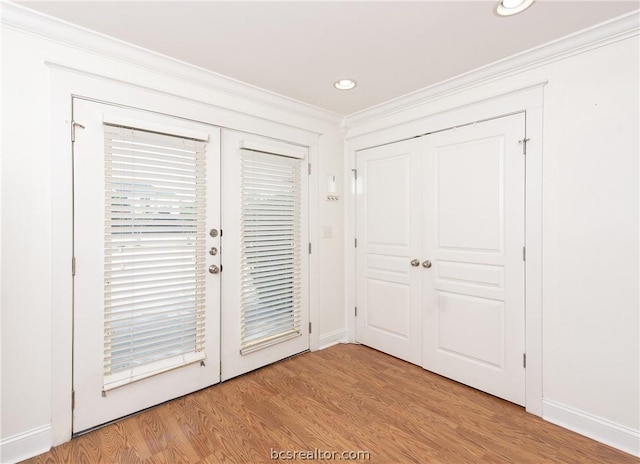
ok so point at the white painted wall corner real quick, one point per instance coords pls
(332, 338)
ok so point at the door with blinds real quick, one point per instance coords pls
(265, 314)
(146, 216)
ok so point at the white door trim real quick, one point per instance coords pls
(528, 99)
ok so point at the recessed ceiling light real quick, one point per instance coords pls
(511, 7)
(344, 84)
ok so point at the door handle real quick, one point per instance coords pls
(213, 269)
(415, 262)
(426, 264)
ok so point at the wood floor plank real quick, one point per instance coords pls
(345, 398)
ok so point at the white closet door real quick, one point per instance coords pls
(473, 236)
(388, 234)
(146, 311)
(265, 240)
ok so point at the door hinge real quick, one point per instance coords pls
(523, 142)
(73, 130)
(355, 174)
(355, 243)
(73, 399)
(356, 311)
(310, 327)
(309, 247)
(73, 266)
(524, 360)
(309, 167)
(524, 253)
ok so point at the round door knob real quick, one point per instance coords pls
(213, 269)
(415, 262)
(426, 264)
(213, 232)
(213, 251)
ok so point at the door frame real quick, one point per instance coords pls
(527, 99)
(67, 83)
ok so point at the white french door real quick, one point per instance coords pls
(265, 315)
(388, 223)
(146, 307)
(456, 290)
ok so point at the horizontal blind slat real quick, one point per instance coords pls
(159, 158)
(145, 322)
(271, 313)
(151, 338)
(155, 310)
(150, 273)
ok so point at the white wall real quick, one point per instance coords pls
(331, 276)
(33, 50)
(590, 217)
(590, 221)
(591, 279)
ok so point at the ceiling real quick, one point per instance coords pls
(299, 48)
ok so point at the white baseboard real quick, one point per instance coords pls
(602, 430)
(332, 338)
(25, 445)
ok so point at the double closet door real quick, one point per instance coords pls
(439, 257)
(190, 262)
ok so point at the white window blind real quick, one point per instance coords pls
(271, 249)
(154, 253)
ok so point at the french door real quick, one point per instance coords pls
(146, 214)
(441, 263)
(265, 314)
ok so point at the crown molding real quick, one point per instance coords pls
(600, 35)
(32, 22)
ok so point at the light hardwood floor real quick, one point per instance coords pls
(344, 398)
